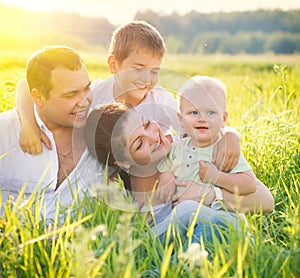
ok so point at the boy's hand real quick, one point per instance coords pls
(166, 187)
(208, 173)
(31, 139)
(226, 152)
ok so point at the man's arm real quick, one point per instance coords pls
(31, 137)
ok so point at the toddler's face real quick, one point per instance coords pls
(137, 74)
(202, 116)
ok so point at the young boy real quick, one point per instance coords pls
(136, 53)
(203, 115)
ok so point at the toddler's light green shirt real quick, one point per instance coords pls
(183, 161)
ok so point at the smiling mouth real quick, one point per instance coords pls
(141, 85)
(202, 128)
(80, 115)
(158, 145)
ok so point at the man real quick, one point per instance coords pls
(60, 87)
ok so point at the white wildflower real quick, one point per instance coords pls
(194, 255)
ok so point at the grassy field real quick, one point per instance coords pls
(99, 241)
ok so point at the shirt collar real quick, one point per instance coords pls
(188, 139)
(39, 121)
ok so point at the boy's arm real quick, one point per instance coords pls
(31, 137)
(226, 152)
(242, 183)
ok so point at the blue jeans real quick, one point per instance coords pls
(184, 213)
(209, 225)
(216, 228)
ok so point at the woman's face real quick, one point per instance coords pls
(145, 142)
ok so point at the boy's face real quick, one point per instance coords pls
(136, 75)
(69, 100)
(202, 115)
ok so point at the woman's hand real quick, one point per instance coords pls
(226, 152)
(146, 214)
(166, 187)
(193, 191)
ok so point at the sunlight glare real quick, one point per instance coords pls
(32, 5)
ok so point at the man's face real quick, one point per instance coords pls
(69, 100)
(137, 74)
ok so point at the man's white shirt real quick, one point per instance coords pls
(38, 173)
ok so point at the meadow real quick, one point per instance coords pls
(101, 241)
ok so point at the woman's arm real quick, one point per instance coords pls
(260, 200)
(226, 152)
(31, 137)
(241, 183)
(165, 187)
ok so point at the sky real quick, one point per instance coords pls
(121, 11)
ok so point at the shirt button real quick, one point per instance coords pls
(187, 165)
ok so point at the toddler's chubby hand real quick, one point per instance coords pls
(208, 173)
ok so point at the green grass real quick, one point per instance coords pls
(99, 241)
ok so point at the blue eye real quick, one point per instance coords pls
(210, 113)
(194, 113)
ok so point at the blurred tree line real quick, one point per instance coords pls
(252, 32)
(236, 32)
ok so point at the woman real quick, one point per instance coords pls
(123, 139)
